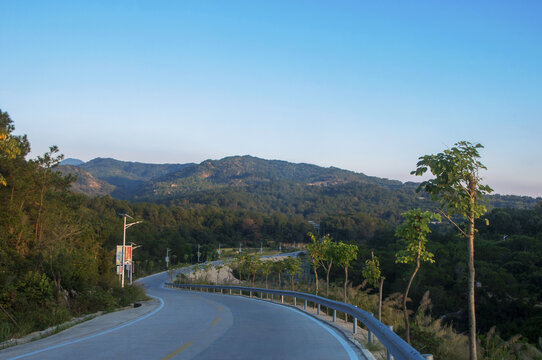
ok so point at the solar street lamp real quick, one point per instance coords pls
(126, 226)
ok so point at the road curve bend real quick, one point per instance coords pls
(194, 325)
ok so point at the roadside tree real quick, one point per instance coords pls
(345, 253)
(414, 232)
(457, 186)
(316, 254)
(293, 267)
(373, 274)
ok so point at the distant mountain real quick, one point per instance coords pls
(266, 186)
(86, 183)
(127, 177)
(72, 162)
(243, 171)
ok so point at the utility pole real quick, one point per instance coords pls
(261, 248)
(240, 248)
(134, 246)
(198, 253)
(280, 247)
(294, 244)
(126, 226)
(219, 250)
(167, 258)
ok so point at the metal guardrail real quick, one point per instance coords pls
(395, 346)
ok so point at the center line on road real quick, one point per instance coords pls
(215, 322)
(177, 351)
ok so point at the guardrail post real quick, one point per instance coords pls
(272, 297)
(318, 310)
(334, 315)
(282, 299)
(305, 305)
(370, 337)
(295, 301)
(428, 356)
(230, 291)
(261, 295)
(388, 355)
(355, 330)
(250, 294)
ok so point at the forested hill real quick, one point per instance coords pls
(120, 179)
(251, 183)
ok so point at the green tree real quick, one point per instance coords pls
(414, 232)
(316, 254)
(9, 146)
(253, 265)
(345, 254)
(266, 269)
(45, 163)
(328, 256)
(373, 274)
(293, 267)
(279, 266)
(240, 263)
(457, 186)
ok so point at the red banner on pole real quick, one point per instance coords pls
(128, 253)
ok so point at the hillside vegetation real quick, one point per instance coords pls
(57, 246)
(265, 186)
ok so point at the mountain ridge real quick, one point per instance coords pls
(259, 184)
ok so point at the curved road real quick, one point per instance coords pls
(192, 325)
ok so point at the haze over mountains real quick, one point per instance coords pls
(255, 184)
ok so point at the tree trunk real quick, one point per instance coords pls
(472, 311)
(292, 282)
(327, 280)
(316, 275)
(405, 310)
(266, 276)
(38, 217)
(280, 284)
(380, 298)
(345, 282)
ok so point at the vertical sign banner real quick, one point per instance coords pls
(119, 255)
(128, 254)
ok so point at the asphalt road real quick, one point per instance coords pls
(192, 325)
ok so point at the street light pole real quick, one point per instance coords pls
(134, 246)
(123, 253)
(126, 226)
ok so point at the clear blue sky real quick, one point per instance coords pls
(367, 86)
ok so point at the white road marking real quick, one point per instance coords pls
(94, 335)
(343, 342)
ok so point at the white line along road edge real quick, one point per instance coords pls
(94, 335)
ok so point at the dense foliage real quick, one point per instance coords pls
(265, 186)
(508, 255)
(57, 247)
(52, 264)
